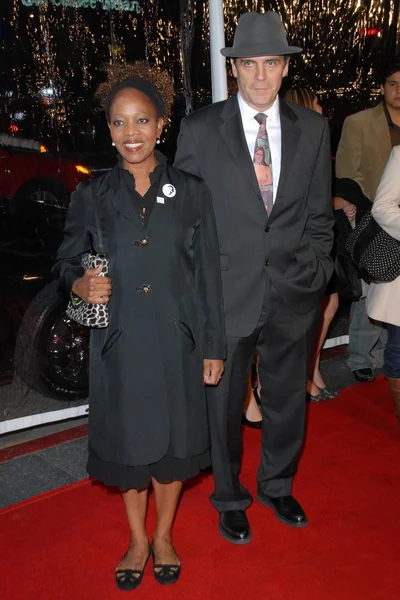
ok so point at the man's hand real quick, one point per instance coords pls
(92, 287)
(213, 369)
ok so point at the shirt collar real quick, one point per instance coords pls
(249, 113)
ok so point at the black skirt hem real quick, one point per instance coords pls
(138, 477)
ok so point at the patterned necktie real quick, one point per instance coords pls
(262, 162)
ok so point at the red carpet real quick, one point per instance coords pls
(64, 545)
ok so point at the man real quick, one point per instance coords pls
(364, 148)
(275, 238)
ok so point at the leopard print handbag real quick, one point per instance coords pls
(84, 313)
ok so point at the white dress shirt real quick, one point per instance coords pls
(250, 126)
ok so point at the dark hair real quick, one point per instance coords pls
(140, 69)
(302, 95)
(142, 85)
(391, 67)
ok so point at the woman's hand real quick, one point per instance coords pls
(213, 369)
(350, 211)
(92, 287)
(348, 208)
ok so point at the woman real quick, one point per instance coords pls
(165, 339)
(383, 299)
(316, 388)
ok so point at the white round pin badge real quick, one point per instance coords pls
(169, 190)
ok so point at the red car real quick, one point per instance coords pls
(29, 172)
(46, 349)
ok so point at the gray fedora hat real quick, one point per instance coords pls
(259, 34)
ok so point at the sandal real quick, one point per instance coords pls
(129, 579)
(166, 574)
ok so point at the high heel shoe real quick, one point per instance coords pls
(329, 394)
(251, 424)
(130, 579)
(165, 574)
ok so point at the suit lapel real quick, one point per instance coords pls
(231, 131)
(290, 135)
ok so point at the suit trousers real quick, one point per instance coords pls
(284, 340)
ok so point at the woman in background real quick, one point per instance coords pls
(383, 299)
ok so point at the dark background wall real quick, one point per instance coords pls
(51, 57)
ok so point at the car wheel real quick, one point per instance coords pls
(52, 351)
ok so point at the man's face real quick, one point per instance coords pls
(259, 79)
(391, 90)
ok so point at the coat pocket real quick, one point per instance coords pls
(110, 341)
(186, 331)
(305, 255)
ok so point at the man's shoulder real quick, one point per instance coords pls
(302, 112)
(185, 177)
(305, 117)
(206, 113)
(365, 115)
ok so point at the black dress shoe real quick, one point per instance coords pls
(286, 509)
(364, 375)
(234, 526)
(251, 424)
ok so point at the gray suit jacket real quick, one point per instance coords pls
(293, 245)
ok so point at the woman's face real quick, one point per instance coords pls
(134, 126)
(316, 105)
(259, 156)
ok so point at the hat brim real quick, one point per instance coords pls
(231, 52)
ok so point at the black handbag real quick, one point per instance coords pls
(85, 313)
(375, 253)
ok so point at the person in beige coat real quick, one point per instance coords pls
(364, 148)
(383, 299)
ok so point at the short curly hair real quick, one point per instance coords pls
(142, 69)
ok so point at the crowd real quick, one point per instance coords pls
(223, 261)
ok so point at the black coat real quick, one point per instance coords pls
(293, 245)
(146, 369)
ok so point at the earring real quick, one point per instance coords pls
(158, 141)
(113, 144)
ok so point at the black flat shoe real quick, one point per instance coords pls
(286, 509)
(165, 574)
(251, 424)
(234, 526)
(364, 375)
(129, 579)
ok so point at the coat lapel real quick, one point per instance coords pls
(290, 135)
(122, 200)
(231, 131)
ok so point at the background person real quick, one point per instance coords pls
(383, 299)
(364, 148)
(147, 419)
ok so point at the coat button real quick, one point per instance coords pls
(145, 288)
(267, 229)
(267, 263)
(142, 242)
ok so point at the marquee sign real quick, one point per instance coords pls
(120, 5)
